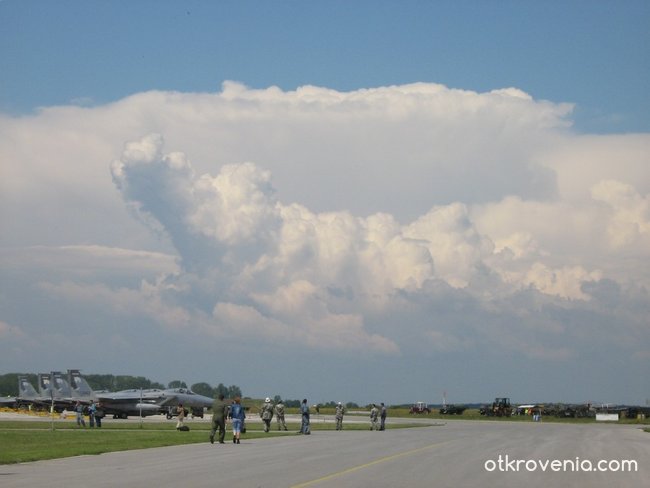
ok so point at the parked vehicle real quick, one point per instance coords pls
(500, 408)
(452, 410)
(420, 407)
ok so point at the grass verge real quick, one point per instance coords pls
(25, 441)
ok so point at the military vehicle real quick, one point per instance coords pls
(452, 409)
(420, 407)
(568, 411)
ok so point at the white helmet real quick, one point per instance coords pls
(268, 400)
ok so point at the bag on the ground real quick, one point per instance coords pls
(184, 428)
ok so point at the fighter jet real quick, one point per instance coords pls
(137, 402)
(123, 403)
(54, 391)
(193, 401)
(46, 396)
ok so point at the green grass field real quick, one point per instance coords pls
(26, 440)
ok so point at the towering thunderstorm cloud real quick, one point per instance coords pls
(266, 269)
(402, 225)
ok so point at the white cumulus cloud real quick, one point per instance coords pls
(407, 222)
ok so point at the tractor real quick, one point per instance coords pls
(500, 408)
(420, 407)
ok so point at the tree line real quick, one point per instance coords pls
(109, 382)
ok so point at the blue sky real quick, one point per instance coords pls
(376, 201)
(590, 53)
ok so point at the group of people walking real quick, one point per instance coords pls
(268, 411)
(236, 414)
(223, 411)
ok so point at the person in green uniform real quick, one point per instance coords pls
(266, 412)
(279, 415)
(219, 412)
(374, 415)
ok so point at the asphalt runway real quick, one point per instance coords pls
(457, 454)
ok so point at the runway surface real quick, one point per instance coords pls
(458, 454)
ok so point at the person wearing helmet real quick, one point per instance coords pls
(266, 412)
(340, 410)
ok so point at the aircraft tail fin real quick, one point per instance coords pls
(80, 387)
(25, 389)
(61, 387)
(44, 385)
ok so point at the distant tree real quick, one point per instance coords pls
(9, 384)
(111, 382)
(176, 384)
(203, 389)
(234, 391)
(351, 405)
(134, 382)
(221, 390)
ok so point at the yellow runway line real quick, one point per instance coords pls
(372, 463)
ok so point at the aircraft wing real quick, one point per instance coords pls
(8, 402)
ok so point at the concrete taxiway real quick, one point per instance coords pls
(459, 453)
